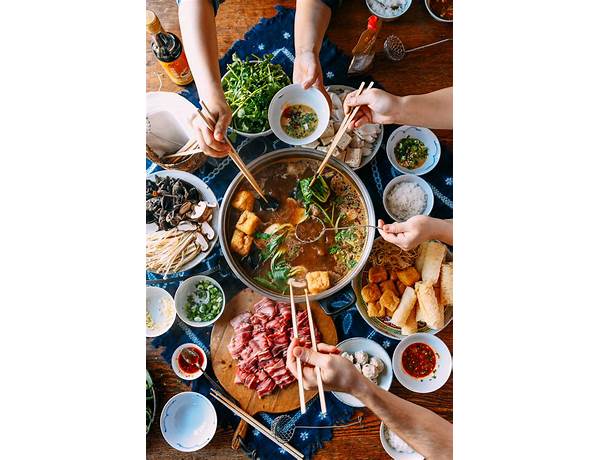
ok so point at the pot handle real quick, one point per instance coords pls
(339, 302)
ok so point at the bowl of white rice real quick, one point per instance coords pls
(395, 446)
(407, 196)
(388, 10)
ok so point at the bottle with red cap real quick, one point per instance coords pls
(364, 51)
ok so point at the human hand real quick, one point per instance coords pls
(408, 235)
(377, 106)
(337, 373)
(213, 144)
(308, 72)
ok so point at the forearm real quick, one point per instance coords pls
(312, 19)
(198, 29)
(431, 110)
(442, 230)
(426, 432)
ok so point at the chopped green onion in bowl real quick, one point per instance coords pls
(204, 303)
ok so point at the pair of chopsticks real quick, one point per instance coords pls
(314, 347)
(344, 126)
(256, 424)
(210, 122)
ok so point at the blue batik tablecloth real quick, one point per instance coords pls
(276, 36)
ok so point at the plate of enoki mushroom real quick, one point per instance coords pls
(400, 293)
(181, 221)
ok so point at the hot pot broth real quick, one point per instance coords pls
(276, 254)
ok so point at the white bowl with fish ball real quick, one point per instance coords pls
(401, 201)
(296, 95)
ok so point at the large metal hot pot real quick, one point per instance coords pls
(276, 157)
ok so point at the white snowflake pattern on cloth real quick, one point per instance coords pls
(322, 416)
(261, 46)
(286, 35)
(282, 451)
(330, 74)
(386, 343)
(304, 435)
(449, 181)
(256, 433)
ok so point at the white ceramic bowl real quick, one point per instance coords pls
(399, 12)
(408, 178)
(355, 344)
(182, 293)
(437, 18)
(175, 365)
(434, 150)
(188, 421)
(437, 378)
(295, 94)
(207, 195)
(163, 318)
(394, 453)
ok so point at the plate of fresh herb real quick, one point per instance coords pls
(199, 301)
(249, 85)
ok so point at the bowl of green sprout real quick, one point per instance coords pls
(199, 301)
(249, 85)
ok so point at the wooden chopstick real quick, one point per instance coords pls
(345, 122)
(313, 339)
(209, 120)
(298, 362)
(184, 153)
(256, 424)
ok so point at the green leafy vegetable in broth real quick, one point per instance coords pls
(319, 190)
(249, 88)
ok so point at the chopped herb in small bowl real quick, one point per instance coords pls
(199, 301)
(411, 153)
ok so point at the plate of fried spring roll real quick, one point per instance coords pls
(400, 293)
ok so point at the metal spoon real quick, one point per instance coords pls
(192, 357)
(324, 229)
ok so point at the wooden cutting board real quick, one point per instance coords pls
(225, 366)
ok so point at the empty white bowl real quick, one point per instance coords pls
(440, 374)
(434, 150)
(295, 94)
(408, 178)
(161, 306)
(188, 421)
(182, 293)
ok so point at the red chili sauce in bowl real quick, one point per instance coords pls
(419, 360)
(193, 367)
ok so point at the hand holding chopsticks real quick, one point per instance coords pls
(343, 128)
(298, 362)
(313, 341)
(209, 121)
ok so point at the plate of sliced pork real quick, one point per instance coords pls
(248, 348)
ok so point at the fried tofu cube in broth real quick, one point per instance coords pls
(389, 301)
(388, 285)
(243, 200)
(377, 274)
(317, 281)
(248, 223)
(409, 276)
(241, 243)
(370, 293)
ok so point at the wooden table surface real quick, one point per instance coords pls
(421, 72)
